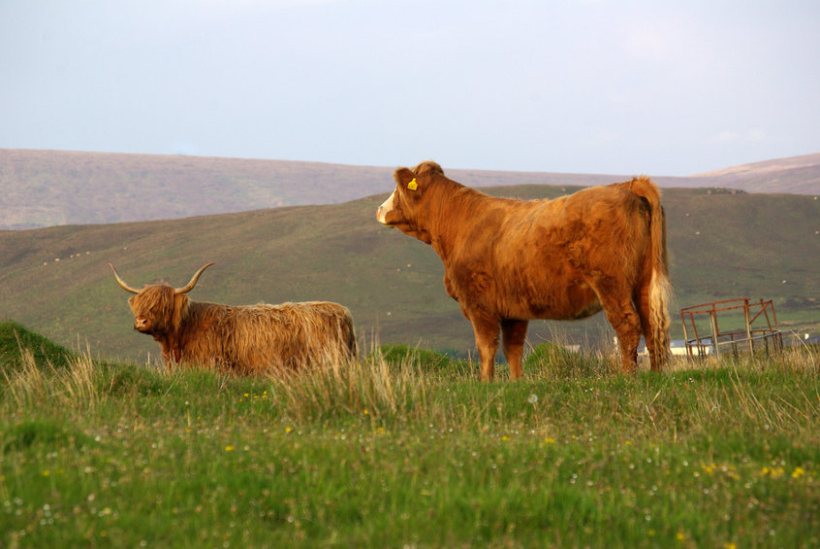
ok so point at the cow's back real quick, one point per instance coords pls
(289, 335)
(533, 259)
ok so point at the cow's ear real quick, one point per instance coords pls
(403, 177)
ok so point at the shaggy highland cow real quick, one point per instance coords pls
(509, 261)
(240, 339)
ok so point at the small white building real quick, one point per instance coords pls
(677, 347)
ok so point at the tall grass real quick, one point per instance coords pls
(370, 386)
(75, 386)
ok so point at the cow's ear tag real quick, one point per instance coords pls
(413, 185)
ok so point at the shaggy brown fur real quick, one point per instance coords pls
(242, 339)
(509, 261)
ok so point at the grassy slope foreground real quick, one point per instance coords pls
(57, 282)
(408, 452)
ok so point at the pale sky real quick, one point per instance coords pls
(590, 86)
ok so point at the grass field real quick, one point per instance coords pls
(407, 449)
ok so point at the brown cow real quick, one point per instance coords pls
(508, 261)
(243, 339)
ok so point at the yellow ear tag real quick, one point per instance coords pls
(413, 185)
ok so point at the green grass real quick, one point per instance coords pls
(409, 451)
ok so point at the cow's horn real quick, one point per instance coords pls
(121, 282)
(190, 286)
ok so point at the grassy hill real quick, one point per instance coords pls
(16, 340)
(46, 188)
(56, 280)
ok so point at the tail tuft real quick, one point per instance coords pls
(660, 290)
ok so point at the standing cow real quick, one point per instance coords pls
(509, 261)
(243, 339)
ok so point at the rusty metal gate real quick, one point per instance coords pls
(752, 326)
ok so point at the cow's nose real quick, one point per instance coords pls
(140, 323)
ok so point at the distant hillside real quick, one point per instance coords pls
(47, 188)
(56, 281)
(44, 188)
(798, 175)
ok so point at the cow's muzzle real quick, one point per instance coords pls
(385, 208)
(142, 325)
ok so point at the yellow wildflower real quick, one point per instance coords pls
(798, 472)
(773, 472)
(549, 440)
(729, 545)
(680, 536)
(288, 429)
(229, 448)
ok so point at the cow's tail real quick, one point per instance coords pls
(660, 289)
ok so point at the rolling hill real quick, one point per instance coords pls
(56, 281)
(798, 174)
(47, 188)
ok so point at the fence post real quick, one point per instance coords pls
(748, 326)
(713, 314)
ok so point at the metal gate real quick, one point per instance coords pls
(749, 326)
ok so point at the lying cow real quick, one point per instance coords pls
(509, 261)
(243, 339)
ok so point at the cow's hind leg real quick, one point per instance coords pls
(513, 333)
(621, 313)
(486, 339)
(653, 347)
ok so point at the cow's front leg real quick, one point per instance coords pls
(486, 340)
(513, 333)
